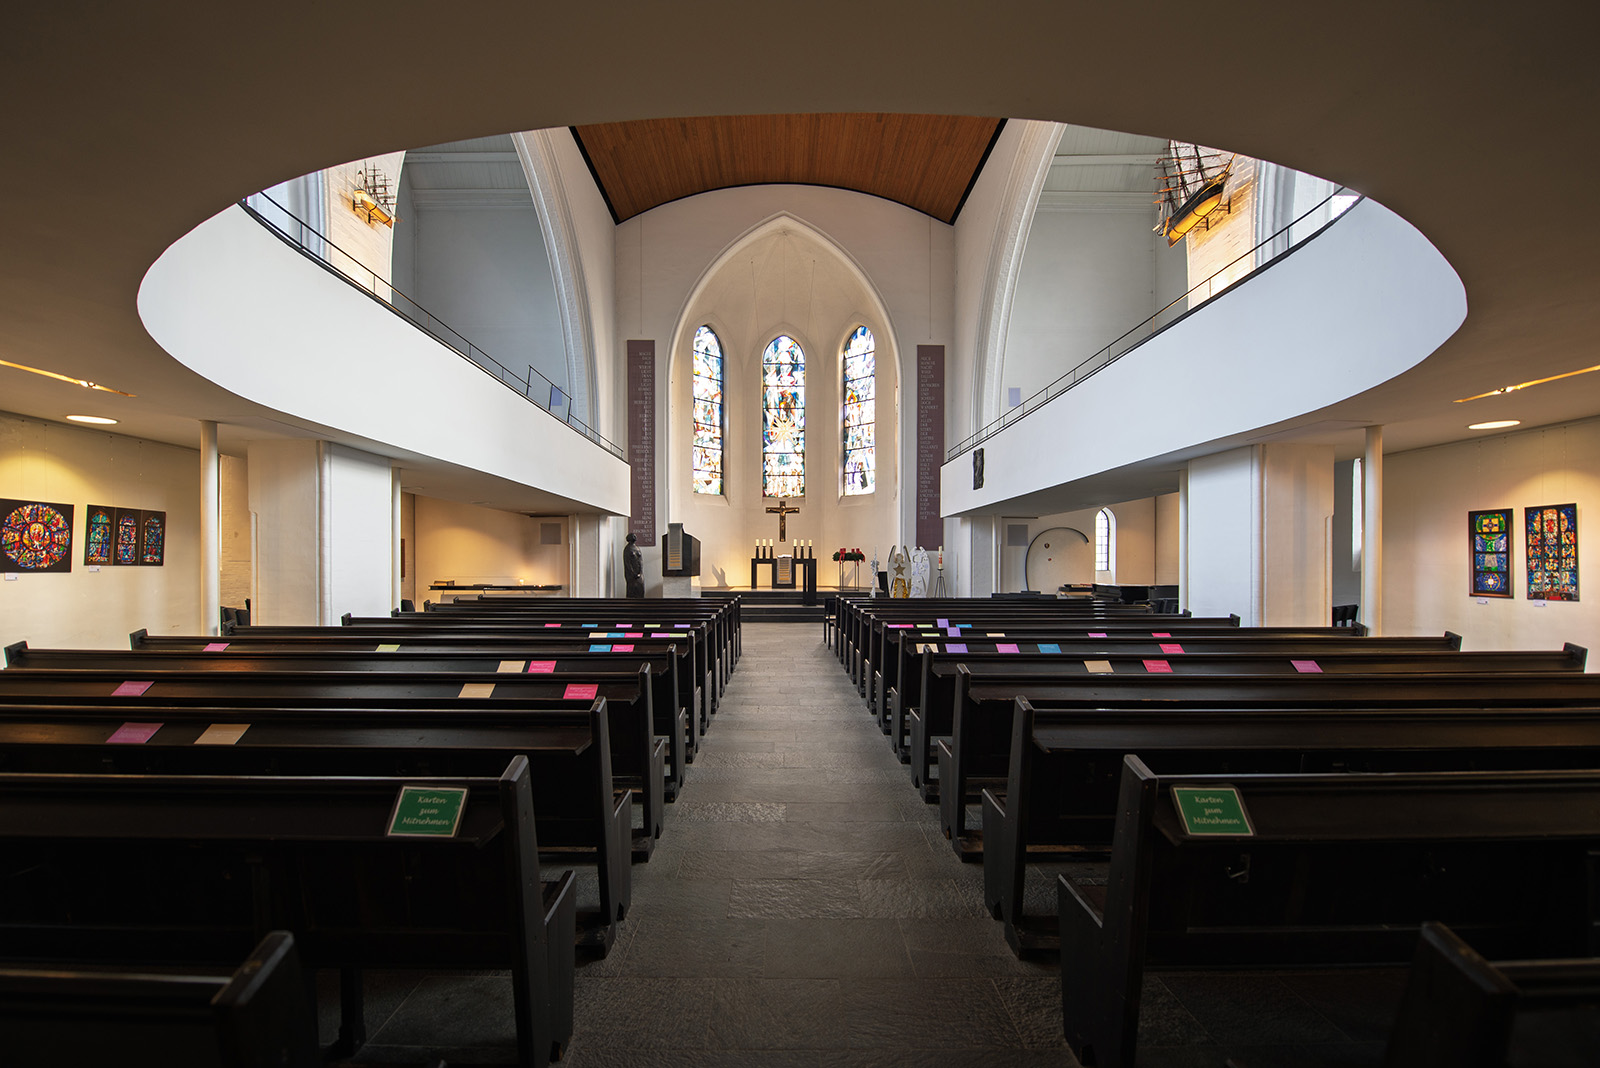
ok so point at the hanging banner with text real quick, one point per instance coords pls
(930, 444)
(642, 439)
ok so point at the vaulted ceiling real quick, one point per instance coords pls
(926, 162)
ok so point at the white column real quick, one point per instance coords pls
(1183, 537)
(324, 476)
(210, 531)
(1372, 532)
(396, 588)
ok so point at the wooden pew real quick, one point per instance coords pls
(637, 756)
(1340, 869)
(140, 1016)
(1460, 1011)
(1060, 797)
(977, 755)
(581, 819)
(189, 867)
(670, 718)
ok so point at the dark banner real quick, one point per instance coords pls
(930, 444)
(642, 439)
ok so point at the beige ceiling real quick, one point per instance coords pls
(125, 130)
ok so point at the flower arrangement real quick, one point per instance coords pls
(849, 554)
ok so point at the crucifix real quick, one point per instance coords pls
(783, 511)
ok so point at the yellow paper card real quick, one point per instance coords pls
(389, 648)
(1097, 667)
(477, 689)
(222, 734)
(510, 665)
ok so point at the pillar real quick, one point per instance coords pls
(1372, 532)
(210, 531)
(1183, 538)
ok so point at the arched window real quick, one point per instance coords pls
(1105, 533)
(783, 419)
(860, 393)
(708, 423)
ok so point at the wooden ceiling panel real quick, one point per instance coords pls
(926, 162)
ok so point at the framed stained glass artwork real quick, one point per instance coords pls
(1489, 549)
(1552, 533)
(125, 538)
(708, 422)
(98, 533)
(783, 419)
(152, 538)
(35, 536)
(860, 399)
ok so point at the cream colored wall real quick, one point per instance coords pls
(469, 544)
(1134, 557)
(1427, 494)
(59, 464)
(361, 248)
(234, 529)
(1167, 539)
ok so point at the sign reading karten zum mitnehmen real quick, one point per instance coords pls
(1212, 810)
(427, 811)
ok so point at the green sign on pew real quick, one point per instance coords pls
(427, 811)
(1212, 811)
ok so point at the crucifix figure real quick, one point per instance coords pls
(783, 512)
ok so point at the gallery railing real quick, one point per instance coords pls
(533, 386)
(1269, 251)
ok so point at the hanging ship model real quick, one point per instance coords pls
(1193, 182)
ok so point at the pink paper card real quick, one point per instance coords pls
(1171, 647)
(634, 634)
(1159, 634)
(1005, 647)
(547, 625)
(581, 691)
(622, 648)
(541, 667)
(1307, 667)
(899, 626)
(1097, 634)
(132, 689)
(133, 733)
(1156, 667)
(215, 647)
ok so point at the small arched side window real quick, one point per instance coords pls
(1105, 536)
(708, 424)
(860, 401)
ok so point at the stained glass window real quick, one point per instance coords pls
(127, 543)
(860, 399)
(708, 424)
(97, 542)
(783, 419)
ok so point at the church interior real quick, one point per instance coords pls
(1274, 315)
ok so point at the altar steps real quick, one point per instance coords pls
(773, 606)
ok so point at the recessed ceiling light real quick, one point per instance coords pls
(1498, 424)
(97, 419)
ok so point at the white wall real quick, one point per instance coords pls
(1223, 532)
(468, 544)
(1364, 301)
(1427, 494)
(59, 464)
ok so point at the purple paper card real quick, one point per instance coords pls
(1307, 667)
(215, 647)
(131, 689)
(1005, 647)
(133, 733)
(955, 647)
(1097, 634)
(944, 623)
(953, 632)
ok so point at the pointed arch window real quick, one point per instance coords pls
(708, 424)
(860, 402)
(783, 419)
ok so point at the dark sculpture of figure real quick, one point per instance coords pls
(633, 567)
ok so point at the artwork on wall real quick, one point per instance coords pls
(1489, 545)
(35, 536)
(125, 539)
(1552, 552)
(98, 534)
(152, 538)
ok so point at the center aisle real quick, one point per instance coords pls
(802, 899)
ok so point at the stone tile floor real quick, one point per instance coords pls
(802, 908)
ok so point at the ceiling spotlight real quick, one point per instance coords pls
(84, 382)
(99, 420)
(1497, 424)
(1503, 390)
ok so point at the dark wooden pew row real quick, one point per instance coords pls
(1060, 795)
(918, 657)
(1460, 1011)
(637, 755)
(977, 755)
(582, 818)
(184, 868)
(413, 627)
(1340, 869)
(569, 659)
(142, 1016)
(937, 716)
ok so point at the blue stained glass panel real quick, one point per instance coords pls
(783, 419)
(860, 412)
(708, 424)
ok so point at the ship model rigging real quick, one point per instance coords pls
(1192, 183)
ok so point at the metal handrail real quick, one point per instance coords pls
(554, 400)
(1150, 327)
